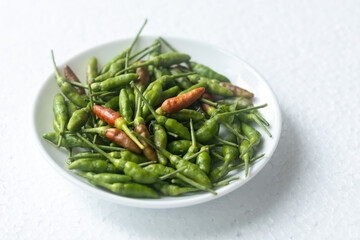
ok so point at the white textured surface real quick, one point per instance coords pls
(307, 50)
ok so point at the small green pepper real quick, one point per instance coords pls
(160, 140)
(138, 174)
(182, 82)
(106, 177)
(168, 189)
(96, 166)
(81, 155)
(252, 134)
(114, 82)
(203, 160)
(134, 190)
(124, 105)
(187, 114)
(205, 71)
(230, 153)
(179, 147)
(78, 119)
(91, 70)
(67, 141)
(240, 101)
(67, 89)
(61, 114)
(244, 146)
(71, 108)
(113, 103)
(193, 148)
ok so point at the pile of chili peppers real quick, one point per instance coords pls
(150, 122)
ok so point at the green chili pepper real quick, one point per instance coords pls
(129, 156)
(134, 190)
(61, 113)
(162, 170)
(118, 163)
(211, 126)
(78, 119)
(71, 108)
(124, 105)
(113, 103)
(66, 87)
(56, 126)
(158, 73)
(191, 170)
(182, 82)
(81, 155)
(67, 141)
(251, 117)
(113, 83)
(170, 124)
(160, 140)
(230, 153)
(212, 85)
(187, 114)
(198, 85)
(205, 71)
(106, 177)
(159, 169)
(138, 174)
(240, 101)
(252, 134)
(172, 190)
(113, 69)
(244, 146)
(96, 166)
(151, 97)
(179, 147)
(203, 160)
(198, 125)
(131, 96)
(180, 182)
(91, 70)
(193, 148)
(236, 126)
(163, 60)
(216, 174)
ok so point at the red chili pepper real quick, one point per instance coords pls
(114, 119)
(206, 106)
(120, 138)
(144, 78)
(175, 104)
(106, 114)
(148, 151)
(238, 91)
(70, 75)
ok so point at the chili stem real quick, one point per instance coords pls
(166, 176)
(231, 129)
(226, 142)
(82, 85)
(209, 102)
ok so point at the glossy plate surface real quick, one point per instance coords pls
(239, 72)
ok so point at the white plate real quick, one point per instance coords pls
(221, 61)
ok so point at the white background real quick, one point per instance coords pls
(308, 51)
